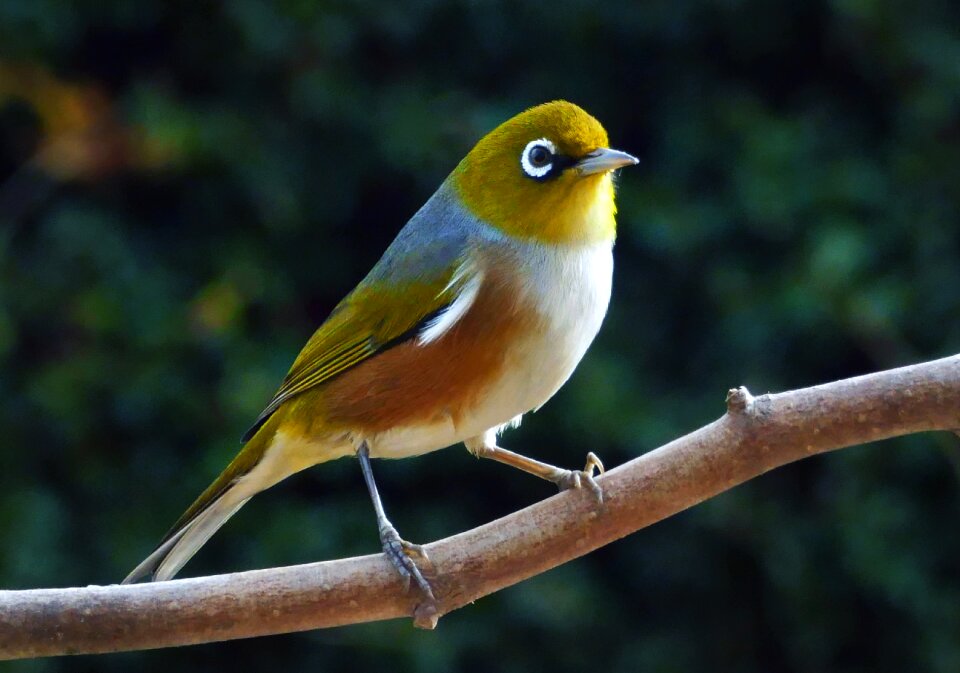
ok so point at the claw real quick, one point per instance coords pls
(568, 479)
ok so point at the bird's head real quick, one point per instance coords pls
(544, 175)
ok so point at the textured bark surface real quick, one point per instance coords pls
(756, 435)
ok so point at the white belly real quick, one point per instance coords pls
(569, 289)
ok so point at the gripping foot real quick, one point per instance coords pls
(402, 554)
(567, 479)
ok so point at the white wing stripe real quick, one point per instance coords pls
(441, 324)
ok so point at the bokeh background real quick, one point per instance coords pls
(186, 189)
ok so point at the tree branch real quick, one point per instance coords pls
(756, 435)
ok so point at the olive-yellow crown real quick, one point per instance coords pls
(544, 175)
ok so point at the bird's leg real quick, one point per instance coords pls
(484, 447)
(398, 550)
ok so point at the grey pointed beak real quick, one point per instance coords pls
(604, 159)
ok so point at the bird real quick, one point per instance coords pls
(476, 314)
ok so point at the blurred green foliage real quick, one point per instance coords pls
(188, 188)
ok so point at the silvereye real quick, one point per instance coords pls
(477, 313)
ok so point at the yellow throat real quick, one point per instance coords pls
(564, 207)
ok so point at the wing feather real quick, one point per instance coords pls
(369, 321)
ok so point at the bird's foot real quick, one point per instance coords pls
(567, 479)
(401, 554)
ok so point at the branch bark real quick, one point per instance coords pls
(756, 435)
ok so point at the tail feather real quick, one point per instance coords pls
(167, 559)
(216, 504)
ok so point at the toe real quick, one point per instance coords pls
(595, 488)
(594, 463)
(415, 550)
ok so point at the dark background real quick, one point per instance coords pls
(186, 189)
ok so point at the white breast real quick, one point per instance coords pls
(569, 287)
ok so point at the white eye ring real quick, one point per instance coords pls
(528, 166)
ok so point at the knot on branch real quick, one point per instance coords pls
(739, 400)
(426, 615)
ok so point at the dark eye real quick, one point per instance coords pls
(537, 158)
